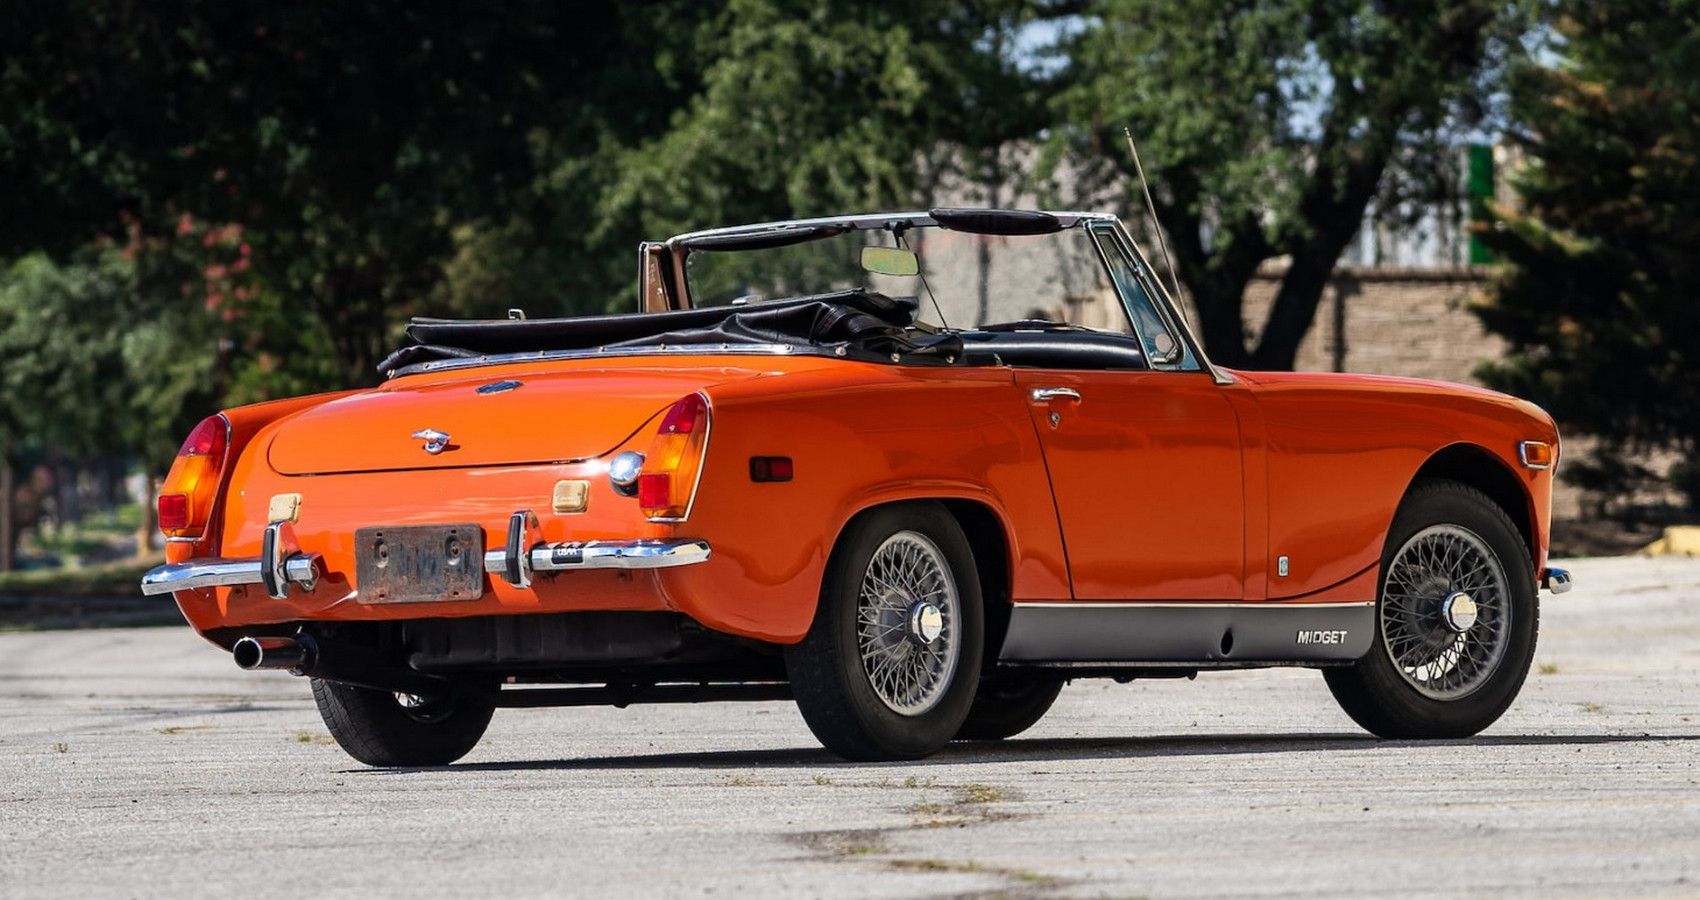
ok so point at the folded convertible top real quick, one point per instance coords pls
(859, 319)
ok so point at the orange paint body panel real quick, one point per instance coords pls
(1153, 486)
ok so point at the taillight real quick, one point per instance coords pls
(186, 499)
(674, 461)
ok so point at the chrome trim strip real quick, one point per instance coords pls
(301, 569)
(1557, 581)
(566, 556)
(501, 359)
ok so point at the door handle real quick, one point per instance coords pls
(1047, 394)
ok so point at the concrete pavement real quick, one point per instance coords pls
(142, 763)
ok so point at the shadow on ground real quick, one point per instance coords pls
(1059, 749)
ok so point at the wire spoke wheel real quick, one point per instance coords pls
(908, 623)
(1446, 612)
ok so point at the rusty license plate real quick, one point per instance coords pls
(420, 563)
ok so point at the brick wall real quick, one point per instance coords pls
(1412, 322)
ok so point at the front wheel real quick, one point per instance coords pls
(888, 669)
(1455, 622)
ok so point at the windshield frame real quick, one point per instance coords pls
(680, 247)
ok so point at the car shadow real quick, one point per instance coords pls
(1038, 749)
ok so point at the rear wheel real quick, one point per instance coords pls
(1005, 707)
(380, 728)
(888, 669)
(1455, 623)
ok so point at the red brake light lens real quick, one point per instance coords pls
(173, 511)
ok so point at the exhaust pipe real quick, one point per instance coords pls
(296, 655)
(347, 664)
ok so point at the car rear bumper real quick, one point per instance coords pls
(283, 565)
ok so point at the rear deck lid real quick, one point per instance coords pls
(493, 420)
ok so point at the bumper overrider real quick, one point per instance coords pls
(282, 563)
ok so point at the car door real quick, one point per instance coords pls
(1145, 470)
(1145, 466)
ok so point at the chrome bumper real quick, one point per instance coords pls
(525, 552)
(1555, 580)
(282, 563)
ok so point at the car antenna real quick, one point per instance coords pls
(897, 229)
(1151, 209)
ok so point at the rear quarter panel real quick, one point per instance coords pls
(860, 436)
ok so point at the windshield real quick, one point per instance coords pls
(1078, 276)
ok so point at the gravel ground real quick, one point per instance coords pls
(142, 763)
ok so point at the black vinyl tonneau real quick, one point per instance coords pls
(858, 319)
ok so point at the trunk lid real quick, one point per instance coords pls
(548, 417)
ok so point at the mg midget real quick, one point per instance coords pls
(914, 471)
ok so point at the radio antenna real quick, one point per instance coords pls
(1151, 209)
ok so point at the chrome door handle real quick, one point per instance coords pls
(1047, 394)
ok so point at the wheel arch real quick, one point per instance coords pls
(1477, 467)
(989, 540)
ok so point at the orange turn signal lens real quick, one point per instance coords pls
(671, 467)
(191, 488)
(1536, 454)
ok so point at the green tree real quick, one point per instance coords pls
(1269, 126)
(1600, 293)
(63, 376)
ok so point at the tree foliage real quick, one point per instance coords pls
(1600, 295)
(1268, 127)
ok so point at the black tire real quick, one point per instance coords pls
(1376, 693)
(1005, 707)
(834, 690)
(374, 728)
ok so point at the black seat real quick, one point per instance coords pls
(1052, 350)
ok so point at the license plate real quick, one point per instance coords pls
(420, 563)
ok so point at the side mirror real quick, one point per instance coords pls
(890, 261)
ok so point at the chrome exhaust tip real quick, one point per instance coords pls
(272, 653)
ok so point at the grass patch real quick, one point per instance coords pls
(1548, 668)
(308, 737)
(113, 579)
(822, 780)
(61, 747)
(184, 729)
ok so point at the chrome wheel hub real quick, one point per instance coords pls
(907, 616)
(1446, 612)
(926, 622)
(1458, 611)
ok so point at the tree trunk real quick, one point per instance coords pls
(149, 522)
(8, 534)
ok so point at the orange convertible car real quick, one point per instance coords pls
(913, 470)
